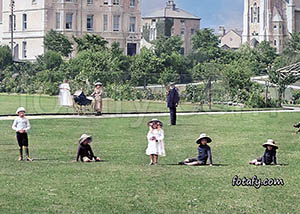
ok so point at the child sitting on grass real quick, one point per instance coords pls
(204, 152)
(269, 155)
(155, 139)
(21, 125)
(85, 152)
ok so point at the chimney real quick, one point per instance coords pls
(222, 30)
(171, 4)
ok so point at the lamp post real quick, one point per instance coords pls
(12, 5)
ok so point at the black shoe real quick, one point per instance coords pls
(181, 163)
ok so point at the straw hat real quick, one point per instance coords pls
(20, 109)
(270, 142)
(203, 136)
(154, 120)
(98, 83)
(84, 137)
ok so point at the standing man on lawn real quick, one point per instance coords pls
(172, 100)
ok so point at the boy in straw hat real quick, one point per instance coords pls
(269, 155)
(204, 152)
(85, 152)
(155, 139)
(21, 125)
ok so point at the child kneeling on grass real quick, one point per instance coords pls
(85, 152)
(21, 125)
(269, 155)
(204, 152)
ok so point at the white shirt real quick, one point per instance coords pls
(21, 123)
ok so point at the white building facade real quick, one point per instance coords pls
(115, 20)
(270, 20)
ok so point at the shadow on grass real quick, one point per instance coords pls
(175, 164)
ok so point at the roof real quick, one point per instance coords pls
(170, 12)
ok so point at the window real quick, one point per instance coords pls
(89, 1)
(105, 22)
(275, 42)
(14, 21)
(89, 22)
(116, 2)
(182, 21)
(192, 31)
(116, 23)
(24, 49)
(105, 2)
(132, 3)
(24, 21)
(132, 24)
(69, 17)
(33, 2)
(57, 20)
(68, 0)
(182, 33)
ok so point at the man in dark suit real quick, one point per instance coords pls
(172, 100)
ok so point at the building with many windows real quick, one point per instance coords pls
(270, 20)
(170, 21)
(115, 20)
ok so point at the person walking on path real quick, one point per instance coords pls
(172, 102)
(97, 94)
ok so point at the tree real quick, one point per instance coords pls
(90, 42)
(49, 60)
(55, 41)
(267, 53)
(205, 46)
(145, 68)
(167, 45)
(292, 46)
(5, 57)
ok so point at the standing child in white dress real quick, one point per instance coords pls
(155, 139)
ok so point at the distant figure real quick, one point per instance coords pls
(65, 98)
(97, 94)
(172, 101)
(21, 125)
(269, 156)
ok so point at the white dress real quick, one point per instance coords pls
(156, 147)
(65, 98)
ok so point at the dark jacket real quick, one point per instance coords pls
(204, 152)
(173, 98)
(84, 151)
(269, 157)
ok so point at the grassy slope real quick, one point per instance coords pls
(126, 184)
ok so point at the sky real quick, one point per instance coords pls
(213, 13)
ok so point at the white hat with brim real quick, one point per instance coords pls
(85, 137)
(154, 120)
(203, 136)
(270, 142)
(98, 83)
(20, 109)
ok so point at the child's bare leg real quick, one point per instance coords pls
(194, 163)
(151, 160)
(21, 153)
(155, 159)
(27, 153)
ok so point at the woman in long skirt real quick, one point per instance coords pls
(97, 94)
(65, 98)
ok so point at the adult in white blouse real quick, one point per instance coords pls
(65, 98)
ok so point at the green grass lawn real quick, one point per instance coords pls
(41, 104)
(125, 183)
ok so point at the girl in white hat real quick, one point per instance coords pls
(204, 152)
(155, 137)
(21, 125)
(269, 156)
